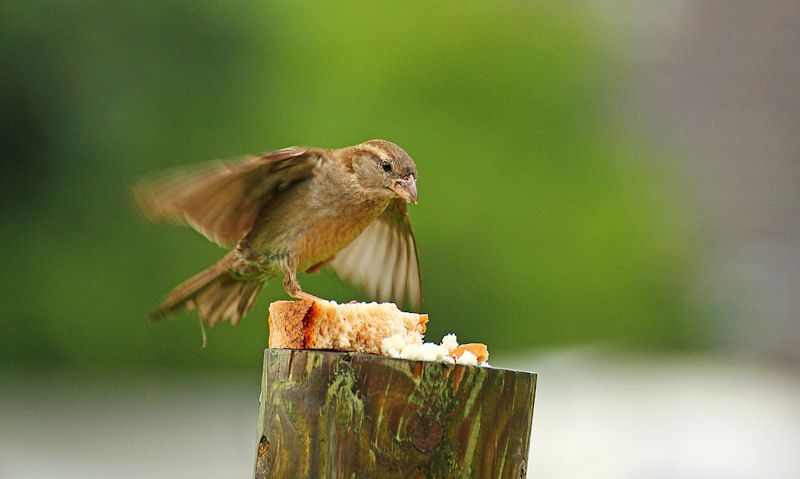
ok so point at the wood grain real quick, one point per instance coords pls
(327, 414)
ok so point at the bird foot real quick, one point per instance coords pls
(307, 297)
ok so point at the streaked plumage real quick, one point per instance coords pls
(293, 210)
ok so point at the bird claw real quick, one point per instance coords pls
(307, 297)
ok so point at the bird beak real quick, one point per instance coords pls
(406, 189)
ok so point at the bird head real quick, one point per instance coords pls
(384, 168)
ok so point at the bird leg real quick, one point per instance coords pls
(308, 297)
(293, 289)
(290, 284)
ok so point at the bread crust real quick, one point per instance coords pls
(286, 324)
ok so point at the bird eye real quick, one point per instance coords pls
(387, 167)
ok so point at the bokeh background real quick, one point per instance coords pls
(609, 196)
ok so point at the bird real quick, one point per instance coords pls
(288, 211)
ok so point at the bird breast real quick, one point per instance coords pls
(334, 223)
(314, 221)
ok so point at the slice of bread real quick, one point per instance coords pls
(359, 327)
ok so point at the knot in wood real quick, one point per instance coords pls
(263, 446)
(427, 434)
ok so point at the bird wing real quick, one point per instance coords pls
(383, 258)
(222, 199)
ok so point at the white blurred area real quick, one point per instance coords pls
(597, 414)
(70, 425)
(602, 415)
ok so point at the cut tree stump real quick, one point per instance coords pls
(327, 414)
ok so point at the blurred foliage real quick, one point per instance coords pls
(542, 219)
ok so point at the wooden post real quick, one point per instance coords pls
(327, 414)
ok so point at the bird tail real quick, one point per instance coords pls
(215, 293)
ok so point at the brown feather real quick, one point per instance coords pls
(383, 259)
(214, 293)
(222, 199)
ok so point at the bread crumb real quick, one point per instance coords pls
(449, 351)
(393, 345)
(467, 359)
(450, 342)
(478, 350)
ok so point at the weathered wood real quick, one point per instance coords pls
(327, 414)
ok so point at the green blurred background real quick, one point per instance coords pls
(543, 219)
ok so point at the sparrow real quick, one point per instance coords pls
(293, 210)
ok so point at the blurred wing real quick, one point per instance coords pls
(222, 199)
(383, 258)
